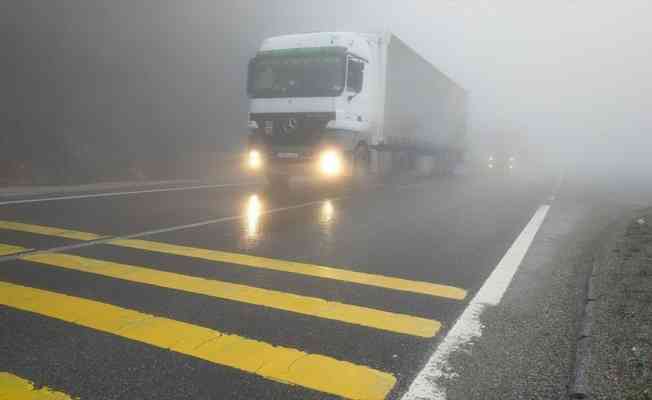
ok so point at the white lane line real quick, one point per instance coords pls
(110, 194)
(106, 239)
(428, 384)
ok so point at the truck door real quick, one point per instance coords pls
(357, 97)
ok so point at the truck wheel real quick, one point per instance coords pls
(361, 164)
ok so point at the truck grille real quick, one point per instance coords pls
(299, 129)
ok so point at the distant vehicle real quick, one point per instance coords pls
(338, 104)
(501, 162)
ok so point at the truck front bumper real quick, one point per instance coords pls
(328, 164)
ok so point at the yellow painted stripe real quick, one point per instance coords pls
(277, 363)
(318, 271)
(13, 387)
(7, 249)
(386, 282)
(45, 230)
(311, 306)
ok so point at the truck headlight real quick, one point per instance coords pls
(330, 162)
(254, 159)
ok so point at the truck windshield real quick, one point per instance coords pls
(300, 75)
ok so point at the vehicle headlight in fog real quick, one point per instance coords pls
(330, 162)
(254, 159)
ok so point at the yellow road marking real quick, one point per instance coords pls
(312, 306)
(276, 363)
(318, 271)
(13, 387)
(362, 278)
(7, 249)
(45, 230)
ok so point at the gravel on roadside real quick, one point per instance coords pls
(621, 347)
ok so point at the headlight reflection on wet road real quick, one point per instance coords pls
(253, 210)
(326, 213)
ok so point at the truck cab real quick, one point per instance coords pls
(311, 105)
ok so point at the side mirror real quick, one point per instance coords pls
(250, 75)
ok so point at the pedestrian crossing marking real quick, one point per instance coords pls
(8, 249)
(311, 306)
(48, 231)
(13, 387)
(280, 364)
(362, 278)
(246, 260)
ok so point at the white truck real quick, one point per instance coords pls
(340, 104)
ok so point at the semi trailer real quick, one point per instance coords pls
(331, 105)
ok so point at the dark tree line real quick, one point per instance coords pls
(123, 89)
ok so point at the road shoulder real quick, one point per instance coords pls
(620, 364)
(527, 344)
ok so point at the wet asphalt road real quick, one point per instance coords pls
(448, 231)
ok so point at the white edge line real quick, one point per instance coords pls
(428, 384)
(109, 194)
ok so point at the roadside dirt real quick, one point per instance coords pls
(621, 350)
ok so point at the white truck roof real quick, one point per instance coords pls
(356, 43)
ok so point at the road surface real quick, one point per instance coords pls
(238, 292)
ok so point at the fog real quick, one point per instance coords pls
(100, 86)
